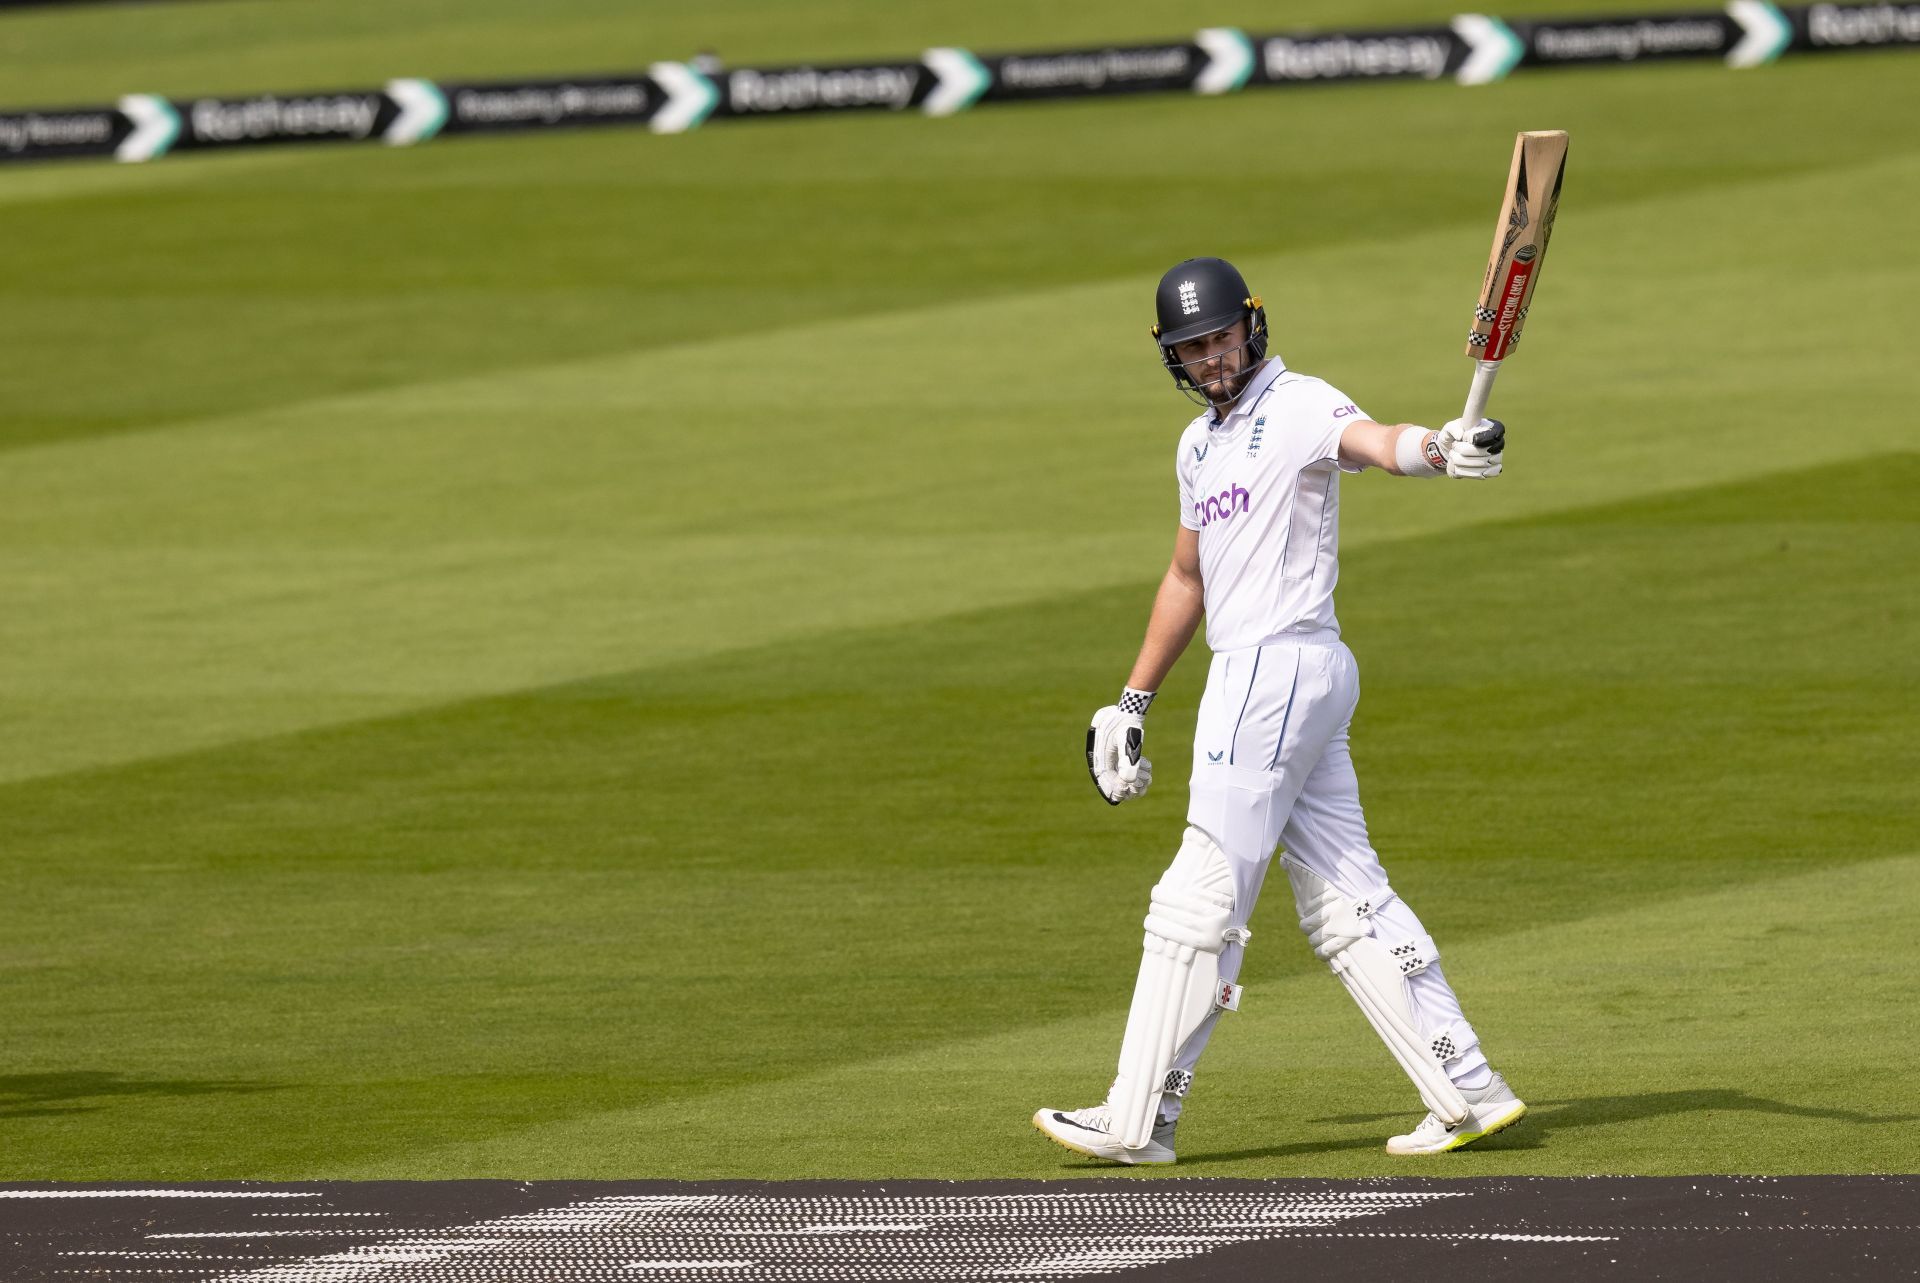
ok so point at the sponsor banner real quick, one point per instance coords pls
(502, 106)
(1825, 27)
(85, 131)
(1079, 73)
(347, 116)
(672, 97)
(1323, 57)
(789, 91)
(1557, 42)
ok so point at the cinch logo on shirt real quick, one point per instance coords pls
(1222, 506)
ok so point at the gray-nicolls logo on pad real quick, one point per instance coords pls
(1189, 299)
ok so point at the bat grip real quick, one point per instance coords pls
(1482, 389)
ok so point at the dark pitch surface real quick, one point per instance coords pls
(466, 1231)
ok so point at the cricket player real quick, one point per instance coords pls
(1259, 473)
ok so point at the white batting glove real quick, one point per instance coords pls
(1476, 453)
(1113, 748)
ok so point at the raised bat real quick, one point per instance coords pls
(1519, 251)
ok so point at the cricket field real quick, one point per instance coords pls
(566, 656)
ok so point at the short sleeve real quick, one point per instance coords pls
(1187, 518)
(1325, 411)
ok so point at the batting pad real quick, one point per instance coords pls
(1179, 986)
(1340, 930)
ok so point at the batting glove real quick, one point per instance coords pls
(1113, 748)
(1473, 453)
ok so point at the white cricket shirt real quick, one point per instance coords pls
(1263, 489)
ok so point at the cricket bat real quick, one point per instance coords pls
(1519, 250)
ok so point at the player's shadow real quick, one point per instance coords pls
(1546, 1116)
(1297, 1149)
(82, 1091)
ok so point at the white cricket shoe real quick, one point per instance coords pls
(1089, 1132)
(1490, 1109)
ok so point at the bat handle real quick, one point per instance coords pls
(1483, 375)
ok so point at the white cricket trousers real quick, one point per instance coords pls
(1271, 768)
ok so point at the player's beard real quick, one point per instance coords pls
(1224, 388)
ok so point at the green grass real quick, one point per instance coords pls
(566, 656)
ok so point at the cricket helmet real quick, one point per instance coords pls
(1203, 296)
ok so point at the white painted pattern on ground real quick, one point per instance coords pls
(920, 1230)
(846, 1239)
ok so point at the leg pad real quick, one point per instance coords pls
(1375, 971)
(1188, 925)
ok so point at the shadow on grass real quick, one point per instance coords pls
(1298, 1149)
(1543, 1117)
(1295, 1150)
(43, 1095)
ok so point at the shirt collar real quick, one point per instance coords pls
(1256, 387)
